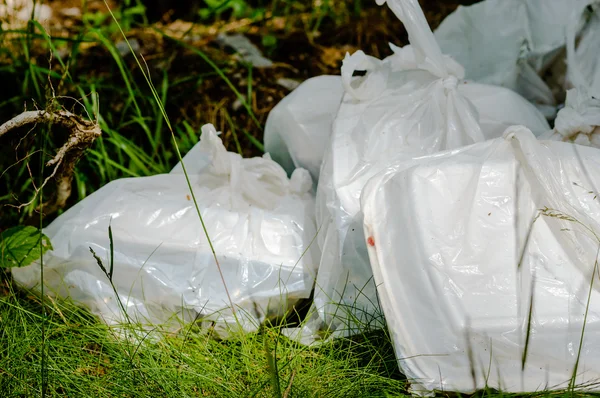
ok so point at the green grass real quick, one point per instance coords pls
(85, 358)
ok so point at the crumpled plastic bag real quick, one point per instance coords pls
(482, 251)
(299, 126)
(511, 43)
(260, 224)
(579, 120)
(394, 111)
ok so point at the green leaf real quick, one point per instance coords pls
(20, 246)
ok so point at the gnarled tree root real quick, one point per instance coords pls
(82, 134)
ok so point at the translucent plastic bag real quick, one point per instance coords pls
(260, 224)
(511, 43)
(298, 128)
(392, 112)
(483, 251)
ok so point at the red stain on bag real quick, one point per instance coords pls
(371, 241)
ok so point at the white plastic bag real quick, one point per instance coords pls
(260, 224)
(511, 43)
(298, 128)
(391, 114)
(482, 251)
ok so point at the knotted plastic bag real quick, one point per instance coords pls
(411, 104)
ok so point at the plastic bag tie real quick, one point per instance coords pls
(450, 82)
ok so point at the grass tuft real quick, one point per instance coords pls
(86, 358)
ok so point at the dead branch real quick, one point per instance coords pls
(82, 134)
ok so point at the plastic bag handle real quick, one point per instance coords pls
(373, 83)
(259, 182)
(427, 50)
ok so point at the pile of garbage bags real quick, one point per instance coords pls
(447, 203)
(448, 192)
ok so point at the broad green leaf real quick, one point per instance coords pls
(20, 246)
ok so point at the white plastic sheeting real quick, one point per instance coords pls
(260, 224)
(511, 43)
(389, 114)
(494, 230)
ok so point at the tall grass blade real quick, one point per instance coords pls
(206, 59)
(178, 152)
(272, 364)
(573, 381)
(529, 318)
(470, 353)
(526, 244)
(238, 146)
(126, 78)
(112, 253)
(254, 141)
(114, 288)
